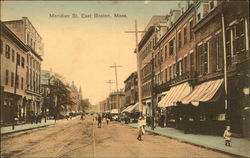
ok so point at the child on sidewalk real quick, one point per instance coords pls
(227, 136)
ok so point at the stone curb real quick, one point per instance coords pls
(192, 143)
(15, 131)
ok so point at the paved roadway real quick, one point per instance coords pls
(77, 138)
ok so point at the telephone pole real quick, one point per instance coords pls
(109, 82)
(138, 65)
(116, 79)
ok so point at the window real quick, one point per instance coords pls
(166, 51)
(22, 83)
(17, 81)
(1, 46)
(12, 79)
(191, 29)
(174, 70)
(203, 58)
(170, 72)
(185, 65)
(7, 51)
(13, 55)
(31, 42)
(179, 39)
(6, 77)
(28, 38)
(27, 77)
(171, 47)
(219, 51)
(228, 42)
(27, 59)
(18, 59)
(166, 75)
(23, 62)
(185, 35)
(198, 16)
(211, 5)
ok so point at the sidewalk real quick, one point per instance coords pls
(28, 126)
(240, 146)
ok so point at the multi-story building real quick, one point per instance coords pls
(131, 89)
(189, 67)
(116, 100)
(211, 45)
(154, 30)
(13, 75)
(27, 33)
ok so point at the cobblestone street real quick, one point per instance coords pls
(77, 138)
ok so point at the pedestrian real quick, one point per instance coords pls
(107, 120)
(227, 136)
(140, 129)
(143, 124)
(99, 121)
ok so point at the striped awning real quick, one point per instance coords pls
(126, 109)
(203, 92)
(175, 94)
(133, 108)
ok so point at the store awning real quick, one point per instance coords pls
(175, 94)
(126, 109)
(203, 92)
(114, 111)
(133, 108)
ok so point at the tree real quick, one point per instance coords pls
(84, 104)
(60, 94)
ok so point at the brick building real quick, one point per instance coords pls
(131, 89)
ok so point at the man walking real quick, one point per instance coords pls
(140, 129)
(99, 121)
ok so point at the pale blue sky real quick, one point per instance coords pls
(83, 49)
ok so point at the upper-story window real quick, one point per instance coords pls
(191, 29)
(185, 65)
(12, 79)
(18, 59)
(202, 51)
(185, 35)
(171, 47)
(6, 77)
(211, 5)
(28, 38)
(179, 40)
(17, 81)
(192, 62)
(166, 51)
(13, 55)
(7, 51)
(22, 62)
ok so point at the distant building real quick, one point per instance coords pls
(131, 89)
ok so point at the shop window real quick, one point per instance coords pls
(7, 51)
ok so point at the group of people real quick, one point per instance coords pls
(34, 117)
(99, 119)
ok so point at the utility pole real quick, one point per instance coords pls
(225, 62)
(15, 98)
(138, 65)
(109, 82)
(116, 79)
